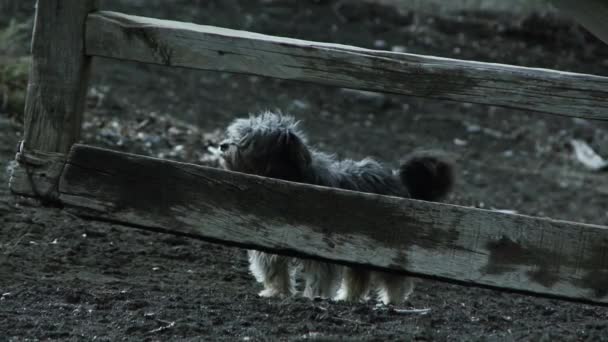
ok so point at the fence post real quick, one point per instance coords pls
(58, 76)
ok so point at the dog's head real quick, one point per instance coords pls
(269, 145)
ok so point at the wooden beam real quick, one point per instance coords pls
(171, 43)
(447, 242)
(592, 14)
(58, 75)
(38, 174)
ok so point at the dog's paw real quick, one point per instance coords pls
(344, 296)
(341, 297)
(274, 293)
(386, 300)
(394, 289)
(269, 293)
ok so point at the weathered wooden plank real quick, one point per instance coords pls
(471, 246)
(127, 37)
(592, 14)
(58, 75)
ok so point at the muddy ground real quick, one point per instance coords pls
(64, 278)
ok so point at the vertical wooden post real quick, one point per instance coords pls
(58, 75)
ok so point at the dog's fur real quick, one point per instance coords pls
(272, 145)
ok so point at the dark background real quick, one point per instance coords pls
(65, 278)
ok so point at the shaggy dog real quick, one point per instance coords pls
(272, 145)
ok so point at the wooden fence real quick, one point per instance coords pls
(440, 241)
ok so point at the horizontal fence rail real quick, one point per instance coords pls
(447, 242)
(171, 43)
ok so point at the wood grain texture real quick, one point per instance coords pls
(58, 75)
(178, 44)
(37, 174)
(592, 14)
(446, 242)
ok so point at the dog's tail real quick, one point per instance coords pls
(428, 176)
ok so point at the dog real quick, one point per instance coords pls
(272, 145)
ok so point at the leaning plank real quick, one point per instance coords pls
(592, 14)
(179, 44)
(471, 246)
(58, 76)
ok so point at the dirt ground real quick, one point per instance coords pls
(64, 278)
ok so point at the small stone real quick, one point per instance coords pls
(380, 44)
(460, 142)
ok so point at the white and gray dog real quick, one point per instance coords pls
(272, 145)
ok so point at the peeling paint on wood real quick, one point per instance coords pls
(506, 255)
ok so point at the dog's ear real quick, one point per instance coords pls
(296, 150)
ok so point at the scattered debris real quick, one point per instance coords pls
(587, 156)
(474, 128)
(155, 134)
(505, 211)
(378, 100)
(412, 311)
(380, 44)
(299, 104)
(347, 320)
(311, 335)
(167, 325)
(460, 142)
(391, 309)
(399, 48)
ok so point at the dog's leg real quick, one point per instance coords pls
(393, 288)
(272, 271)
(355, 285)
(321, 279)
